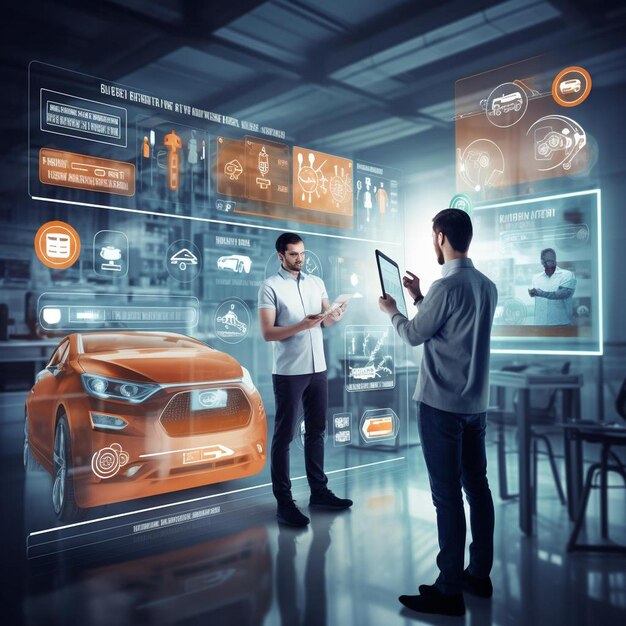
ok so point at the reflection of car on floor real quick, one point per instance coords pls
(238, 263)
(572, 85)
(225, 580)
(116, 416)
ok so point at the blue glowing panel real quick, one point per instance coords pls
(544, 254)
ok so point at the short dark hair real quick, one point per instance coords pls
(456, 226)
(546, 250)
(285, 239)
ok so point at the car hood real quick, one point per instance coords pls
(163, 365)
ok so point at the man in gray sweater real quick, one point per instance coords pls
(453, 321)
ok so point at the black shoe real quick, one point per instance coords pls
(328, 500)
(289, 514)
(480, 587)
(428, 590)
(435, 602)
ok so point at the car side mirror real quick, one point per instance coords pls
(55, 369)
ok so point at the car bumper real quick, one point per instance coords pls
(144, 459)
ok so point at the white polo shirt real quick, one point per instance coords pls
(549, 312)
(293, 299)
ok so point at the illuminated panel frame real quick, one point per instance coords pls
(117, 206)
(600, 349)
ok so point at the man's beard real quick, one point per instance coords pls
(292, 267)
(439, 253)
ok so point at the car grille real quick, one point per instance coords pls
(180, 421)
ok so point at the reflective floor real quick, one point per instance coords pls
(239, 567)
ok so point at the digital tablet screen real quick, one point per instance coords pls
(390, 280)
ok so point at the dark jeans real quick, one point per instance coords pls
(312, 390)
(454, 451)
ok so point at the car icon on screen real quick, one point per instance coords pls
(505, 103)
(238, 263)
(571, 85)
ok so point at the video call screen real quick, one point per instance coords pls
(544, 256)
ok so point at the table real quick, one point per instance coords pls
(525, 382)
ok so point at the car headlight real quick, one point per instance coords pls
(247, 380)
(111, 389)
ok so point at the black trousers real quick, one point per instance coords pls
(312, 390)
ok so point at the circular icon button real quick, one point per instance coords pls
(571, 86)
(232, 320)
(183, 260)
(57, 245)
(506, 105)
(461, 201)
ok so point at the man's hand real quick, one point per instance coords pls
(311, 321)
(388, 305)
(412, 285)
(532, 292)
(337, 314)
(271, 332)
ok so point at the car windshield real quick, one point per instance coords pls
(106, 342)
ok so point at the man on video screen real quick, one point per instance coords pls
(552, 290)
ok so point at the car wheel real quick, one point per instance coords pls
(63, 499)
(240, 267)
(29, 460)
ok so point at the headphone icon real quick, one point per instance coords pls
(557, 141)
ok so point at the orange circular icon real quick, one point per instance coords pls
(571, 86)
(57, 245)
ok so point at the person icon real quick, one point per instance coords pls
(145, 154)
(192, 160)
(192, 149)
(367, 199)
(382, 199)
(173, 143)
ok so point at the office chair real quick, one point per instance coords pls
(608, 436)
(540, 431)
(541, 418)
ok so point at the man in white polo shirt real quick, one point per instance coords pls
(552, 290)
(291, 307)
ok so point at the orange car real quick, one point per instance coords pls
(121, 415)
